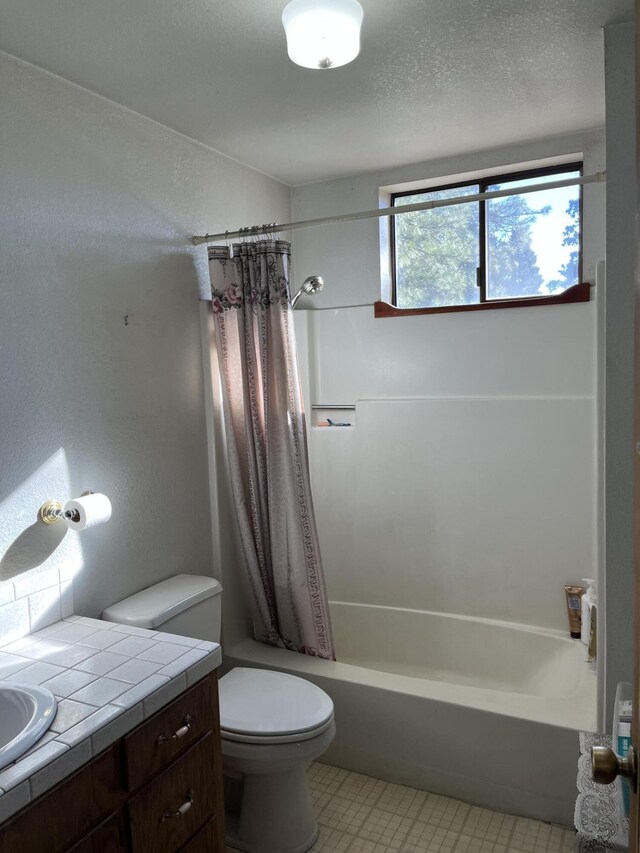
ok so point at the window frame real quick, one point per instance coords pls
(579, 292)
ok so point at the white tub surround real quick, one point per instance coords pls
(481, 710)
(107, 679)
(460, 504)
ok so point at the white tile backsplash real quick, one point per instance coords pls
(35, 580)
(14, 620)
(6, 593)
(44, 607)
(33, 601)
(66, 599)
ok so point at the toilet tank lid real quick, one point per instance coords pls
(154, 605)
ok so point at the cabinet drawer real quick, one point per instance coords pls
(206, 841)
(107, 838)
(176, 804)
(157, 741)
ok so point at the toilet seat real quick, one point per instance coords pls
(266, 740)
(266, 707)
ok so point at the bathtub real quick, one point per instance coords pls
(484, 711)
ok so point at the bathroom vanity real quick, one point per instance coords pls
(131, 760)
(159, 788)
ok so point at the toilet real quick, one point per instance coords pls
(272, 724)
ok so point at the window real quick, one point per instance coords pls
(519, 249)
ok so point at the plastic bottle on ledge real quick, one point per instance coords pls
(588, 600)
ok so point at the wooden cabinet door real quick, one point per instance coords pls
(206, 841)
(59, 818)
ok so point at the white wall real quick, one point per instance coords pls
(618, 379)
(478, 494)
(98, 204)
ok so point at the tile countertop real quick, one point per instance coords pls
(107, 679)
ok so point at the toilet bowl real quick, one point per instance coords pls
(272, 724)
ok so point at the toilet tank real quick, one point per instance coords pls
(190, 605)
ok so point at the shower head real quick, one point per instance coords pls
(312, 284)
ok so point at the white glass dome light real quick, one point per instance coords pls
(322, 33)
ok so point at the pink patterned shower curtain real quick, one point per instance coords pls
(267, 446)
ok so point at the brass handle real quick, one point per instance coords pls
(184, 808)
(184, 729)
(607, 766)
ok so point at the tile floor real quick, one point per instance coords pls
(364, 815)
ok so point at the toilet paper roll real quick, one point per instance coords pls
(87, 511)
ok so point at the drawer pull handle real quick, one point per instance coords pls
(184, 729)
(184, 808)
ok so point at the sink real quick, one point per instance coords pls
(25, 714)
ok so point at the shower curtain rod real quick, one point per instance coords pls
(274, 228)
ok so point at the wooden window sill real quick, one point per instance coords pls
(577, 293)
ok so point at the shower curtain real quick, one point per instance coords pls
(267, 446)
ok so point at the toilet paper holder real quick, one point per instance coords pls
(52, 511)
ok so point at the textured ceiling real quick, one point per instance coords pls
(435, 77)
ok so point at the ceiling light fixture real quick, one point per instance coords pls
(322, 33)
